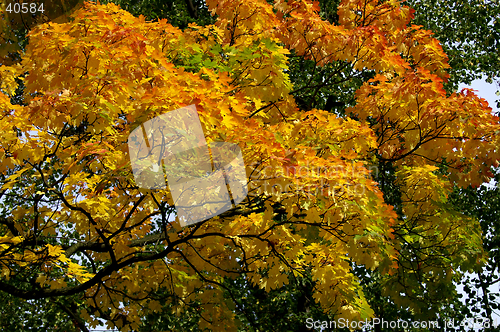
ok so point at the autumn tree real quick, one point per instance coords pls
(178, 13)
(470, 34)
(474, 56)
(81, 226)
(17, 19)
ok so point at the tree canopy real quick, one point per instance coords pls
(470, 34)
(75, 225)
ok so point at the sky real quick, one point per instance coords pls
(484, 90)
